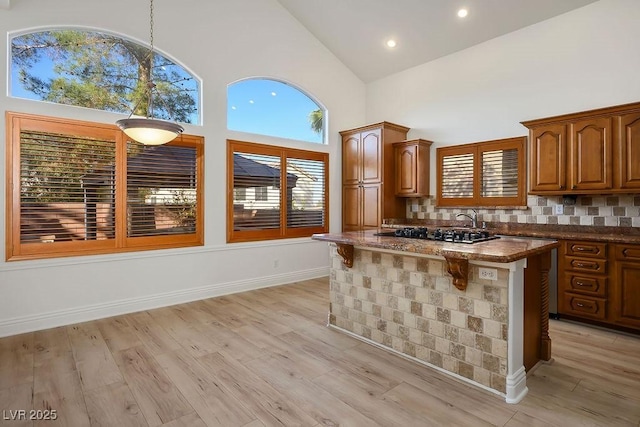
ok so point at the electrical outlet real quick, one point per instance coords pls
(559, 209)
(488, 273)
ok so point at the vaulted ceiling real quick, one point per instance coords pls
(356, 30)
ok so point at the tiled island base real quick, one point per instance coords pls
(407, 303)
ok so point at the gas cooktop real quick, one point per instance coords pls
(447, 235)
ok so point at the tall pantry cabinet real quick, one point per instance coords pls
(368, 187)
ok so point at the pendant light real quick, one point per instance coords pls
(149, 130)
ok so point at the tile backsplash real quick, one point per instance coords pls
(613, 211)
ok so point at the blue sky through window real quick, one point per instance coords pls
(98, 70)
(270, 107)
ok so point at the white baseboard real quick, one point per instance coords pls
(36, 322)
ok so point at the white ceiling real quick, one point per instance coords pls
(356, 30)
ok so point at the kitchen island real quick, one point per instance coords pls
(476, 311)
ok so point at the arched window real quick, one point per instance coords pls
(98, 70)
(270, 107)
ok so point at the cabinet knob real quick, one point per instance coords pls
(581, 284)
(580, 304)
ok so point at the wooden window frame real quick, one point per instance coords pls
(16, 250)
(283, 232)
(477, 148)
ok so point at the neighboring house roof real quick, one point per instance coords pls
(249, 173)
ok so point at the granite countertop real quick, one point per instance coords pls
(504, 249)
(545, 231)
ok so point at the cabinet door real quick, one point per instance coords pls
(629, 162)
(591, 154)
(351, 203)
(626, 298)
(548, 158)
(371, 205)
(371, 146)
(406, 157)
(351, 165)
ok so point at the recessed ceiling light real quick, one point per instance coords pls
(463, 12)
(391, 43)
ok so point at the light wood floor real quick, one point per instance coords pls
(266, 358)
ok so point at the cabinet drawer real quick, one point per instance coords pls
(584, 284)
(585, 306)
(628, 252)
(586, 249)
(597, 266)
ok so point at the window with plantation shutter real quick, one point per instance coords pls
(275, 204)
(500, 173)
(487, 174)
(80, 188)
(457, 176)
(161, 190)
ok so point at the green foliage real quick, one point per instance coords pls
(316, 120)
(102, 71)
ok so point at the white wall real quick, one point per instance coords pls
(221, 41)
(585, 59)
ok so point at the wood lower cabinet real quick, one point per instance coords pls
(368, 176)
(626, 294)
(361, 206)
(412, 169)
(582, 284)
(600, 282)
(591, 152)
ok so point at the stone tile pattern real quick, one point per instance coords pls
(613, 211)
(409, 304)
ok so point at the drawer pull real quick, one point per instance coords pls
(580, 304)
(583, 249)
(584, 265)
(581, 284)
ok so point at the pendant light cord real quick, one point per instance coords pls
(150, 84)
(151, 28)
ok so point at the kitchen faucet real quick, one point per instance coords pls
(474, 218)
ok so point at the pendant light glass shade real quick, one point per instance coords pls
(148, 130)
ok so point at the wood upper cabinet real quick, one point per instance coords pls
(412, 159)
(351, 166)
(548, 158)
(629, 153)
(592, 152)
(368, 180)
(371, 156)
